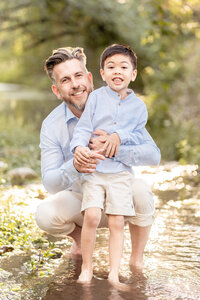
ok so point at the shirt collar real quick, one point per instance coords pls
(68, 114)
(115, 94)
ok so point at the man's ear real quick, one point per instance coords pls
(56, 91)
(90, 76)
(102, 74)
(134, 75)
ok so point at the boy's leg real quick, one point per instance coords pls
(116, 227)
(59, 215)
(92, 217)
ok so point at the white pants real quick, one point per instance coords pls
(60, 213)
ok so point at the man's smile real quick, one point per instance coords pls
(78, 93)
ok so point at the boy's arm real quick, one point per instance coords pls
(134, 136)
(84, 127)
(57, 173)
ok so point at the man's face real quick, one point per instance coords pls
(118, 72)
(72, 84)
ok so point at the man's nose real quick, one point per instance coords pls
(74, 83)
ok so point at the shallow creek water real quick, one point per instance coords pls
(172, 255)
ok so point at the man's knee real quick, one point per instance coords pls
(44, 216)
(142, 197)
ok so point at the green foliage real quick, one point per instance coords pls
(21, 236)
(19, 146)
(164, 34)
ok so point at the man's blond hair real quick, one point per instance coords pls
(62, 54)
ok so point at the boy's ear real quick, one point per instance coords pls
(56, 91)
(102, 74)
(134, 75)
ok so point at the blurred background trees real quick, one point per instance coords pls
(164, 34)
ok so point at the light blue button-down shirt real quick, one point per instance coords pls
(58, 172)
(105, 110)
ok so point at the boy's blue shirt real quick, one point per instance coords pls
(104, 110)
(58, 171)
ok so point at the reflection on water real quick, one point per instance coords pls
(172, 257)
(25, 106)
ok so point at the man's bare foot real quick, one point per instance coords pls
(85, 276)
(136, 265)
(75, 251)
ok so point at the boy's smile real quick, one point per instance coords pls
(118, 72)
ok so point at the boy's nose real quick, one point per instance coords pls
(117, 70)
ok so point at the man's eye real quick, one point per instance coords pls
(79, 75)
(65, 80)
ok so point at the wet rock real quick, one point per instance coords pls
(5, 249)
(55, 253)
(20, 175)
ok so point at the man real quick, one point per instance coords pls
(60, 213)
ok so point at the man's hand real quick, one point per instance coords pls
(90, 166)
(111, 146)
(97, 143)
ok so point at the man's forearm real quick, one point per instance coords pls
(56, 180)
(138, 155)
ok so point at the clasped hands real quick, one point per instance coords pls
(104, 145)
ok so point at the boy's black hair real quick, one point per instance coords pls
(118, 49)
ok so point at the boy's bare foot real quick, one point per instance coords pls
(118, 285)
(85, 276)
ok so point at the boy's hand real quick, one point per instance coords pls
(82, 155)
(97, 143)
(112, 145)
(89, 167)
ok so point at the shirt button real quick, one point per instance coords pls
(115, 123)
(119, 104)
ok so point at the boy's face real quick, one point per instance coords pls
(118, 72)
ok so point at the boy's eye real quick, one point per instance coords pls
(110, 67)
(124, 67)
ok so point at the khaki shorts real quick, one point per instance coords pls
(110, 192)
(60, 213)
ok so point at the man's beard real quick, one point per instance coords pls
(78, 106)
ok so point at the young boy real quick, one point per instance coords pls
(119, 112)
